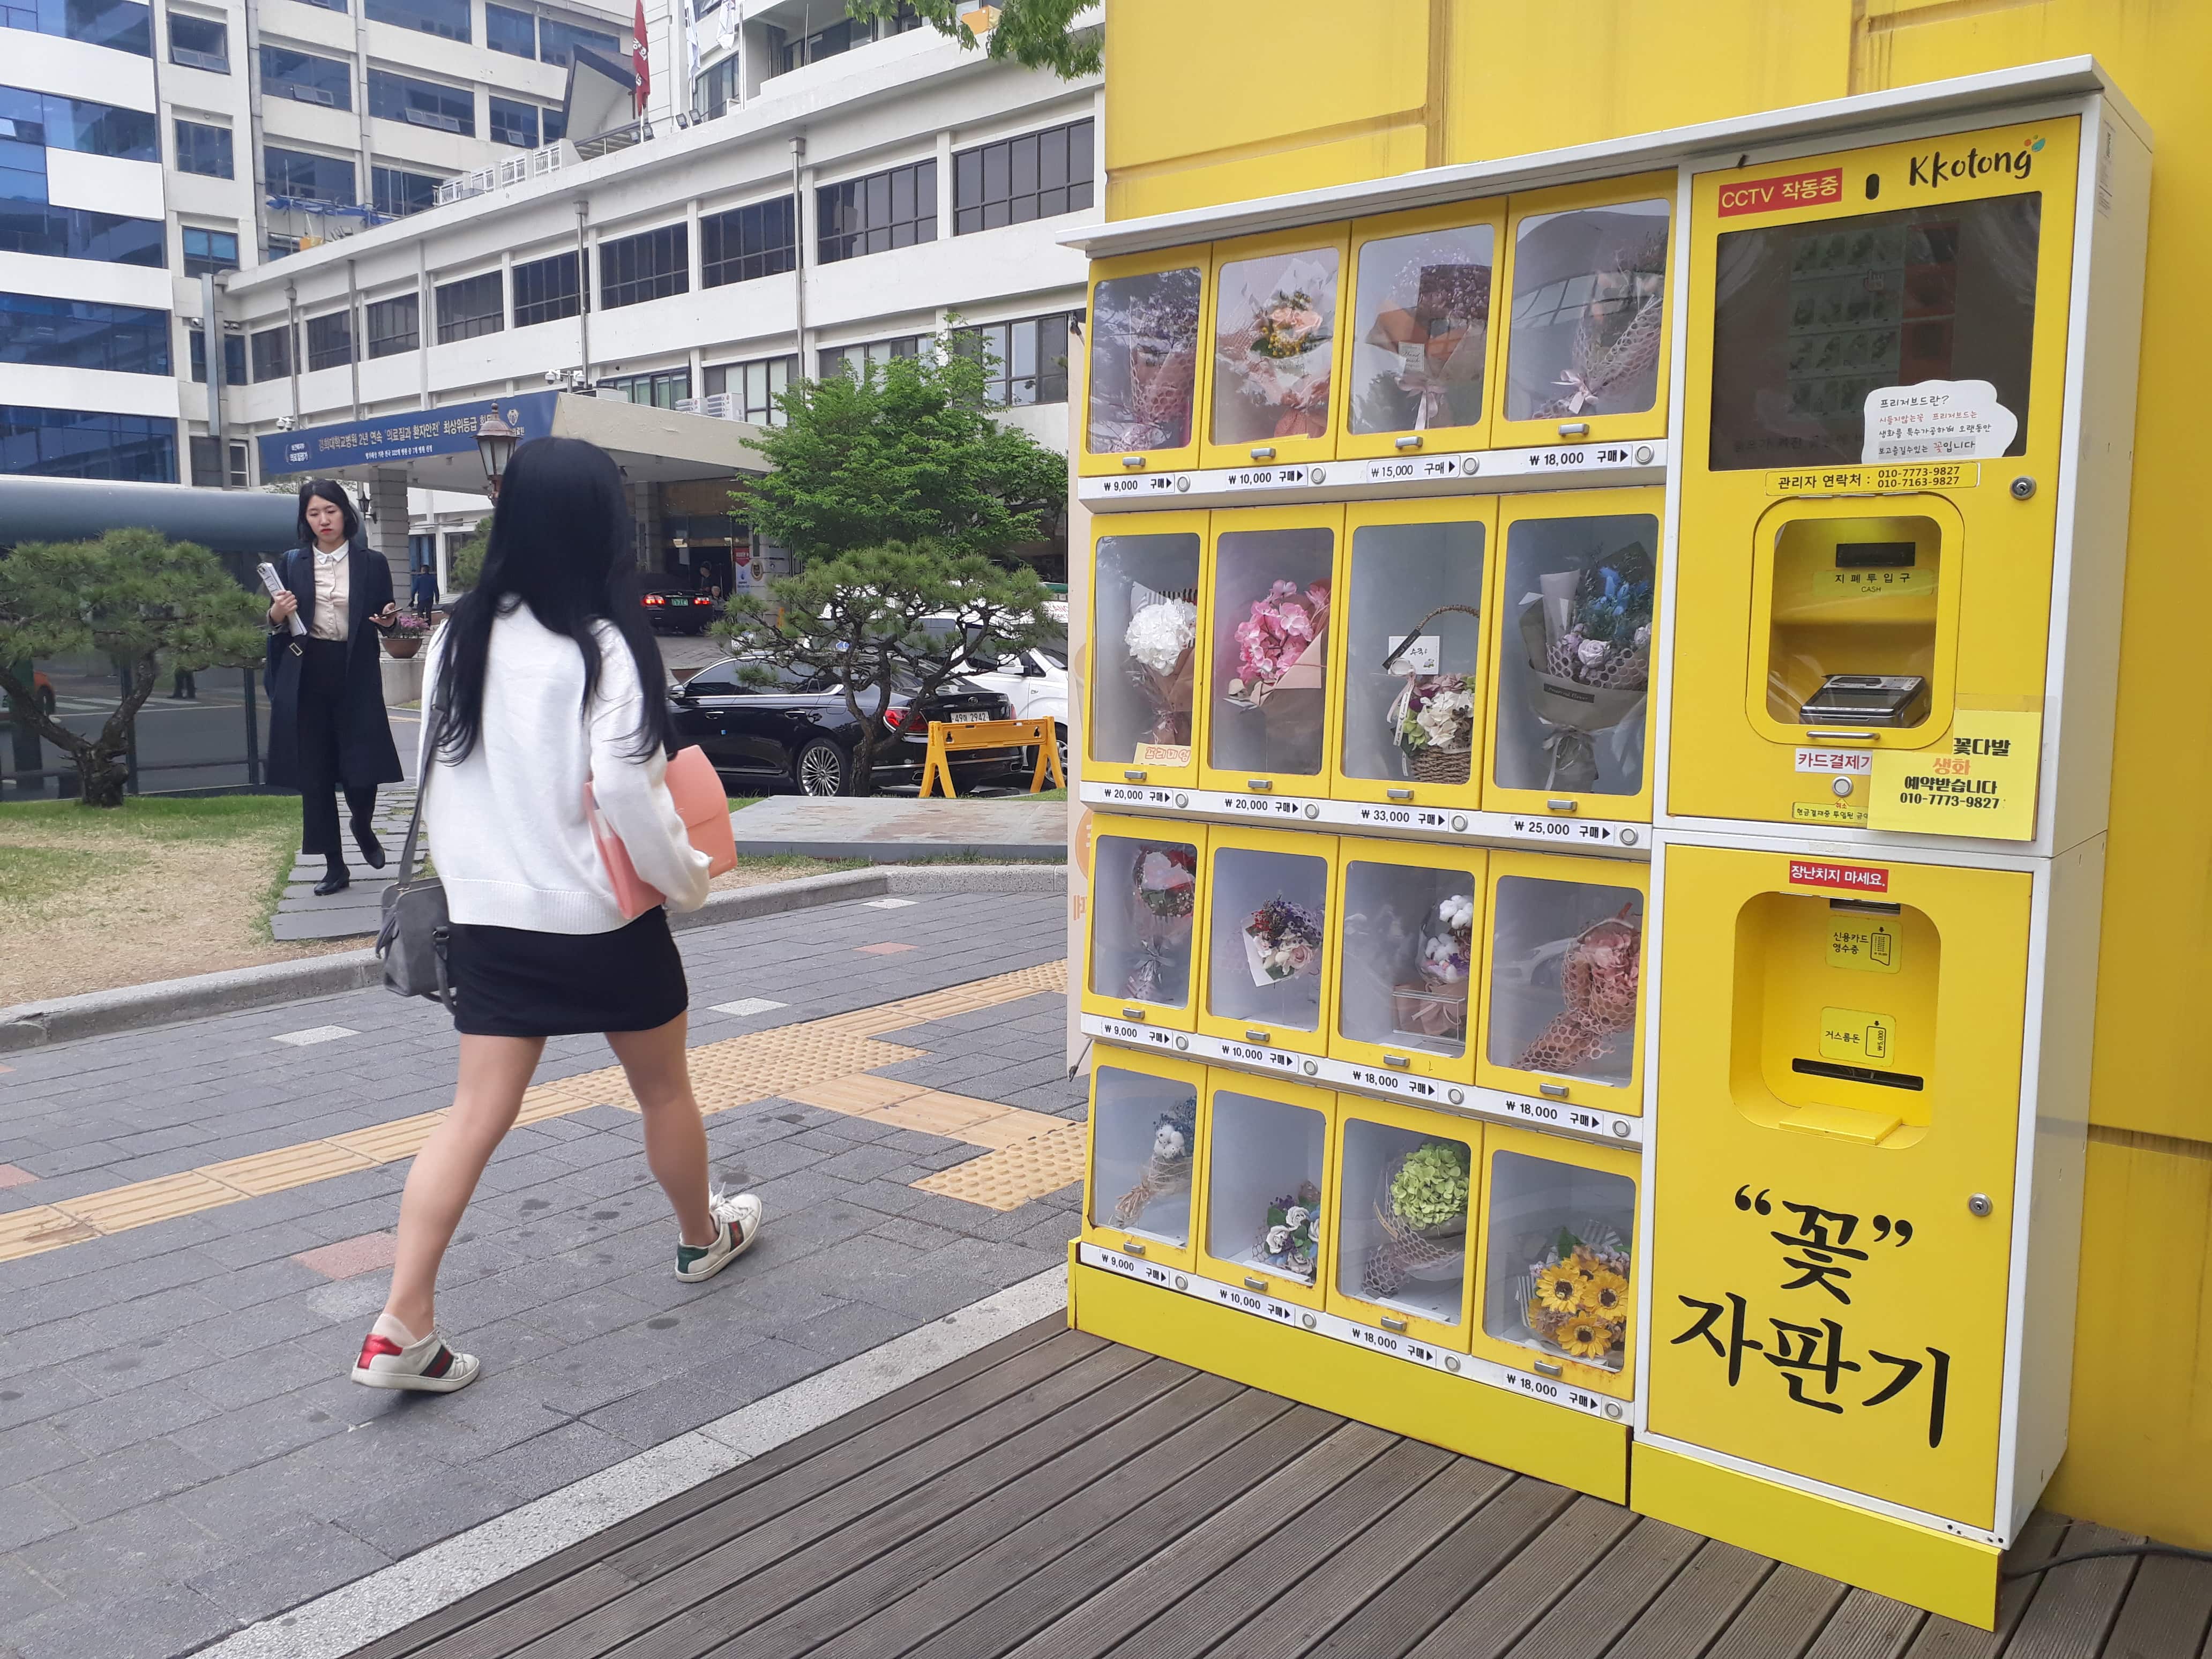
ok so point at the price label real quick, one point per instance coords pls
(1413, 469)
(1980, 780)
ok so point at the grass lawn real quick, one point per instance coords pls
(152, 890)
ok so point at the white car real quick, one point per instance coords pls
(1034, 679)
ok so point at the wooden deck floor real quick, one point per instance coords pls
(1057, 1495)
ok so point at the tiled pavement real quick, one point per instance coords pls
(179, 1452)
(357, 909)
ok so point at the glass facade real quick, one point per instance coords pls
(208, 471)
(329, 340)
(747, 242)
(74, 443)
(310, 177)
(1034, 176)
(31, 227)
(83, 334)
(448, 18)
(546, 290)
(394, 326)
(233, 358)
(469, 308)
(649, 266)
(754, 388)
(1027, 361)
(207, 252)
(871, 354)
(513, 123)
(196, 42)
(399, 193)
(514, 33)
(271, 350)
(122, 25)
(421, 103)
(204, 149)
(558, 42)
(662, 388)
(52, 122)
(897, 208)
(715, 89)
(307, 78)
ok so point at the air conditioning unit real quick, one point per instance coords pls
(313, 95)
(719, 404)
(687, 405)
(442, 123)
(205, 60)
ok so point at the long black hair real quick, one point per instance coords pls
(560, 543)
(327, 489)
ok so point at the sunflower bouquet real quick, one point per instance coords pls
(1421, 1205)
(1290, 1238)
(1588, 637)
(1167, 1167)
(1435, 1006)
(1578, 1298)
(1160, 638)
(1164, 888)
(1281, 941)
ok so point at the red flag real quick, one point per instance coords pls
(637, 58)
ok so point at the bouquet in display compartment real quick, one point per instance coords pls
(1279, 361)
(1283, 645)
(1616, 347)
(1152, 323)
(1435, 1006)
(1587, 637)
(1598, 973)
(1420, 1202)
(1575, 1298)
(1432, 717)
(1167, 1169)
(1281, 941)
(1441, 342)
(1165, 890)
(1161, 638)
(1291, 1240)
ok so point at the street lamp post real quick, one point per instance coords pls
(496, 442)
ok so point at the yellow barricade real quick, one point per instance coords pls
(946, 738)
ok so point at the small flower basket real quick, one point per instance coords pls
(1432, 717)
(1434, 1008)
(1290, 1240)
(1575, 1298)
(407, 634)
(1167, 1170)
(1420, 1203)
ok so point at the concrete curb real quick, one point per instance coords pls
(165, 1002)
(895, 851)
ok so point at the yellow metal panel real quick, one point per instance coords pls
(1133, 920)
(1245, 276)
(1229, 960)
(1826, 1302)
(1148, 371)
(1225, 1242)
(1402, 935)
(1141, 762)
(1349, 623)
(1376, 242)
(1954, 1576)
(1547, 1443)
(1111, 1199)
(1343, 1264)
(1499, 1070)
(1988, 655)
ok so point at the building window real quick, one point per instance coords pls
(513, 123)
(1036, 176)
(895, 208)
(514, 33)
(1026, 361)
(421, 103)
(83, 334)
(72, 443)
(554, 123)
(328, 5)
(747, 242)
(33, 226)
(271, 350)
(202, 149)
(399, 193)
(233, 358)
(207, 252)
(122, 25)
(839, 38)
(545, 290)
(329, 340)
(197, 44)
(309, 79)
(471, 306)
(753, 388)
(448, 18)
(394, 326)
(207, 464)
(308, 177)
(857, 360)
(558, 42)
(715, 89)
(662, 388)
(650, 266)
(51, 121)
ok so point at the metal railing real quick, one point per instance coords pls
(512, 170)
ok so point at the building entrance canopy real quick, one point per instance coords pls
(437, 448)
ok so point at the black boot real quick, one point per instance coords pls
(335, 879)
(372, 850)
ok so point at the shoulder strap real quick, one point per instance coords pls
(436, 715)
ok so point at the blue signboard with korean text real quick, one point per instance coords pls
(391, 439)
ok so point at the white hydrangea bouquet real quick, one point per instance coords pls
(1161, 639)
(1434, 1007)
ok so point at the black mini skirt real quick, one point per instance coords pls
(513, 982)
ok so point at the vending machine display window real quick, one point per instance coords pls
(1415, 693)
(1812, 320)
(1266, 1182)
(1565, 966)
(1267, 698)
(1409, 955)
(1588, 324)
(1274, 345)
(1574, 654)
(1144, 909)
(1145, 628)
(1143, 384)
(1406, 1197)
(1557, 1277)
(1420, 341)
(1267, 943)
(1144, 1145)
(1853, 613)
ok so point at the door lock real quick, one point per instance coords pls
(1979, 1205)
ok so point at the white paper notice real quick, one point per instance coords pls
(1419, 657)
(1937, 421)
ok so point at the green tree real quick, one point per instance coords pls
(1035, 33)
(856, 619)
(466, 563)
(905, 452)
(133, 596)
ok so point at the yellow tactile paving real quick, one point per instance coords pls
(1013, 1176)
(818, 1062)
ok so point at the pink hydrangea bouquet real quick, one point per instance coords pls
(1282, 645)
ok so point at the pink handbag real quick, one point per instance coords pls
(704, 807)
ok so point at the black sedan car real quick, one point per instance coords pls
(672, 605)
(798, 733)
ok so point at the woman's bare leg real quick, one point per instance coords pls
(494, 1072)
(659, 1075)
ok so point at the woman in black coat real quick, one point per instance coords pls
(327, 727)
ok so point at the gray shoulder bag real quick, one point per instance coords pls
(413, 939)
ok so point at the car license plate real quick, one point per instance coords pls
(969, 717)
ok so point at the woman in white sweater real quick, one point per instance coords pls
(545, 680)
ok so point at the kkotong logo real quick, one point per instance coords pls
(1937, 168)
